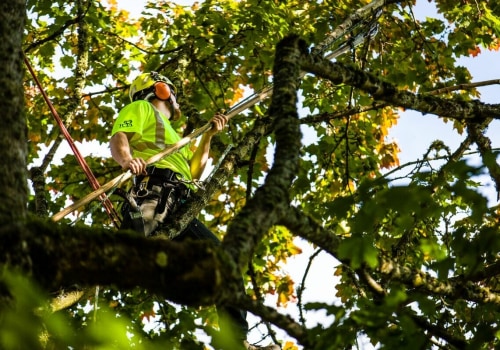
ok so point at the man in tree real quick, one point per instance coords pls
(142, 130)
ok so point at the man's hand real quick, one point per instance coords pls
(218, 121)
(136, 165)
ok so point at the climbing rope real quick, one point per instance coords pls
(81, 160)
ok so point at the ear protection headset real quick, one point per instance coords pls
(161, 89)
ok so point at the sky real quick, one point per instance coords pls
(413, 133)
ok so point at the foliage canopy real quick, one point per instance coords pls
(416, 244)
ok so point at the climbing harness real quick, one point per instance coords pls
(162, 189)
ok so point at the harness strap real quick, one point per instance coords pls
(167, 196)
(165, 173)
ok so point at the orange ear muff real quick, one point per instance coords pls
(162, 90)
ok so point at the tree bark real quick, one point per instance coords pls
(58, 256)
(13, 182)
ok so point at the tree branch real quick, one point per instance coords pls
(282, 321)
(308, 229)
(454, 289)
(338, 73)
(58, 256)
(464, 86)
(272, 198)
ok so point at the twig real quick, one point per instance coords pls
(464, 86)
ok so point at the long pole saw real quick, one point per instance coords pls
(165, 152)
(240, 107)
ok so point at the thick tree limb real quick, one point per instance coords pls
(306, 227)
(326, 117)
(58, 256)
(271, 200)
(452, 288)
(13, 139)
(474, 111)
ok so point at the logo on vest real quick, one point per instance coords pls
(126, 124)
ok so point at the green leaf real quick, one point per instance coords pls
(359, 251)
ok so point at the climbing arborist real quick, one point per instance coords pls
(141, 130)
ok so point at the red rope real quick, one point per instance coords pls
(81, 160)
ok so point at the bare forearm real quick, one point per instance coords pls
(120, 151)
(200, 157)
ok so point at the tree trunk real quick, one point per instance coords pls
(13, 150)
